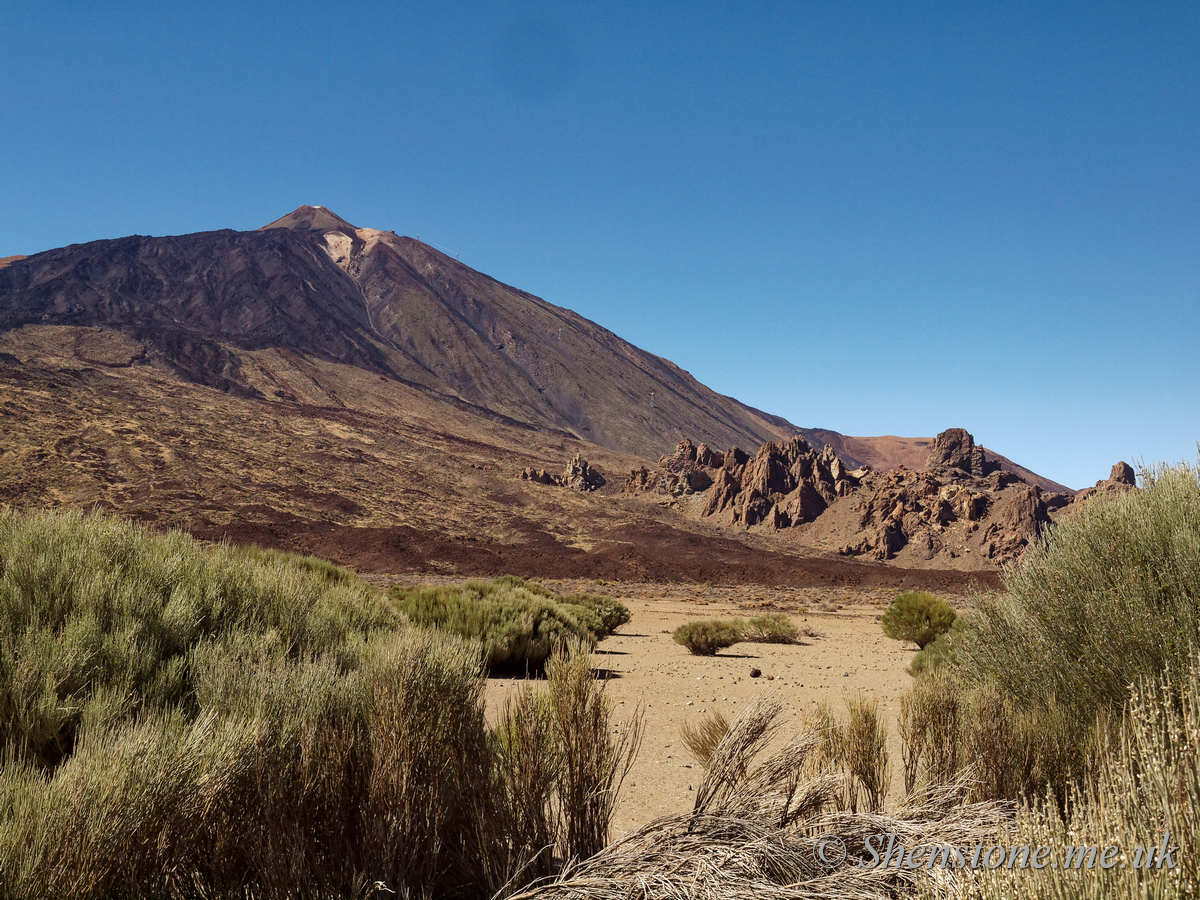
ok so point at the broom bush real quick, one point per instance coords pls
(183, 721)
(519, 624)
(706, 637)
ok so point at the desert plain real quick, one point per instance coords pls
(645, 671)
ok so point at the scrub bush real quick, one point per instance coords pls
(1110, 595)
(188, 721)
(612, 613)
(706, 637)
(1039, 675)
(918, 617)
(941, 651)
(772, 628)
(518, 624)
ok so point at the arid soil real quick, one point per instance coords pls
(401, 483)
(644, 668)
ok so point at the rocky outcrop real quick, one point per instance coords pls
(955, 448)
(1121, 478)
(959, 506)
(783, 484)
(578, 476)
(686, 471)
(1122, 473)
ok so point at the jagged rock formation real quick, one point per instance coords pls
(947, 511)
(954, 448)
(578, 476)
(785, 484)
(1121, 478)
(683, 472)
(960, 505)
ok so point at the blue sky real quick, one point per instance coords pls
(880, 218)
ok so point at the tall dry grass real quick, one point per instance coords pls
(757, 828)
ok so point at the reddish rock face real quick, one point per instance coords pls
(1122, 473)
(955, 449)
(961, 506)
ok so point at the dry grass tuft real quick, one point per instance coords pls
(703, 738)
(756, 831)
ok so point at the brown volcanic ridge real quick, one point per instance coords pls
(356, 394)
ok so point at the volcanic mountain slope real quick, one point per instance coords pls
(403, 483)
(312, 285)
(357, 394)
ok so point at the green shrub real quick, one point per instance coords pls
(291, 775)
(1109, 596)
(519, 625)
(772, 628)
(178, 720)
(95, 609)
(706, 637)
(918, 617)
(940, 652)
(612, 613)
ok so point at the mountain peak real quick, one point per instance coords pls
(312, 218)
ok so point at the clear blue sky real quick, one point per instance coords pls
(880, 218)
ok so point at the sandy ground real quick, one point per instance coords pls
(648, 669)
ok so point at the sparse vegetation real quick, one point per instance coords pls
(706, 637)
(772, 628)
(702, 738)
(860, 747)
(856, 750)
(593, 761)
(756, 830)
